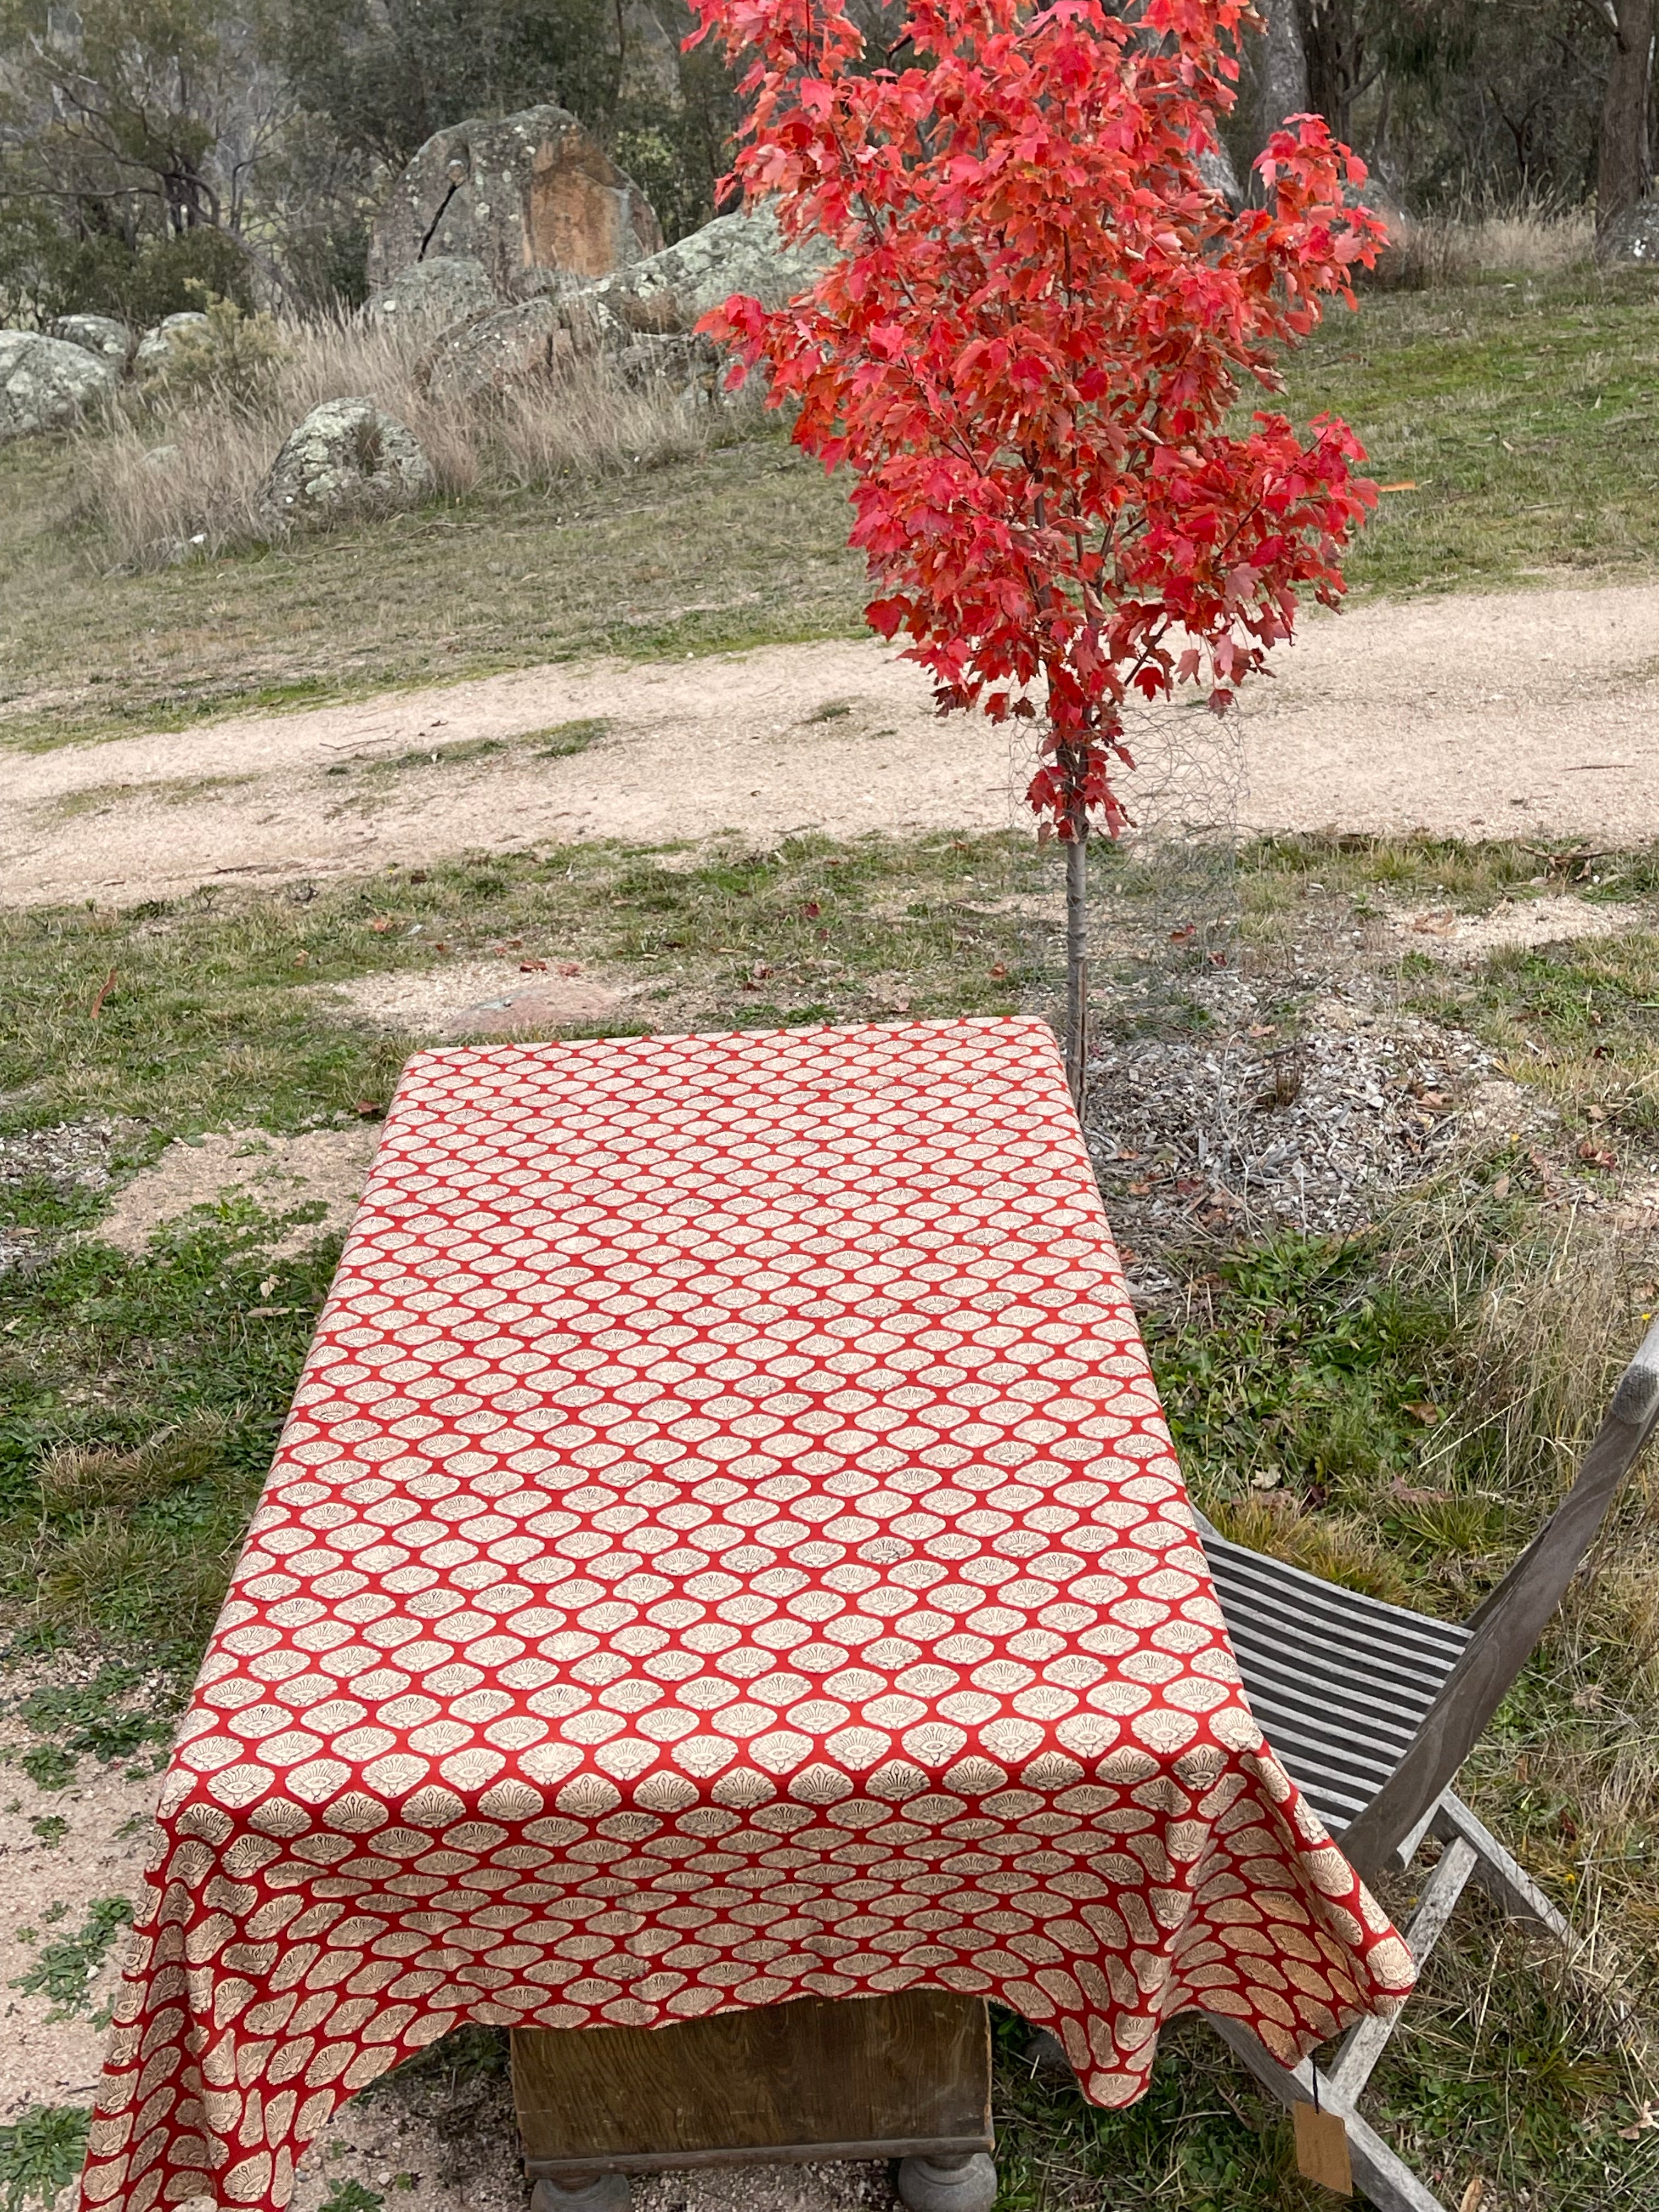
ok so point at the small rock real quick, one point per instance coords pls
(99, 334)
(349, 456)
(446, 287)
(46, 383)
(1632, 239)
(157, 347)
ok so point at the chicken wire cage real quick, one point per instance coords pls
(1234, 1089)
(1172, 1071)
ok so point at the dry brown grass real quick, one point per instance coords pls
(1547, 1318)
(75, 1478)
(182, 469)
(1444, 252)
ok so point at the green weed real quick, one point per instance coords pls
(40, 2154)
(65, 1971)
(94, 1719)
(352, 2197)
(48, 1767)
(1303, 1373)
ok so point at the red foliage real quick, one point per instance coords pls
(1027, 351)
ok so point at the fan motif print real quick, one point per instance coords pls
(726, 1547)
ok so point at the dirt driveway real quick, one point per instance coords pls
(1486, 715)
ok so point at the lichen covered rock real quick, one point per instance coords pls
(46, 384)
(444, 287)
(514, 344)
(742, 252)
(348, 456)
(525, 195)
(158, 347)
(99, 334)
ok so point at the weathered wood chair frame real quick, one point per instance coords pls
(1373, 1708)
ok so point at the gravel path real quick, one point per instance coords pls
(1527, 711)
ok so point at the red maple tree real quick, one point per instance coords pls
(1040, 322)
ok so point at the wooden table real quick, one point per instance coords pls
(726, 1551)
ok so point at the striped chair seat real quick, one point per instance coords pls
(1340, 1682)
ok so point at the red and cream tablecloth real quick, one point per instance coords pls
(726, 1547)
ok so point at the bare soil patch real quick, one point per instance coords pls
(1513, 925)
(325, 1167)
(60, 1849)
(481, 998)
(463, 2157)
(1468, 716)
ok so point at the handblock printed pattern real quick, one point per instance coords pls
(726, 1547)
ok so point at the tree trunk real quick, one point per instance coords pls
(1274, 79)
(1284, 68)
(1623, 161)
(1333, 42)
(1077, 964)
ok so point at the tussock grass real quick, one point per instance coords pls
(1329, 1545)
(140, 1541)
(181, 470)
(1443, 251)
(1420, 1399)
(75, 1478)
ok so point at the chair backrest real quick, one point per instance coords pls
(1508, 1624)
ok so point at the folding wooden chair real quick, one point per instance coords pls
(1373, 1708)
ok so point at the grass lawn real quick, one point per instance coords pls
(1526, 416)
(1415, 1391)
